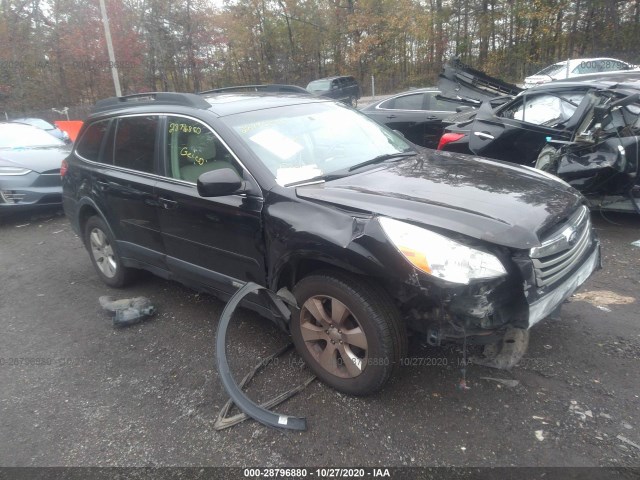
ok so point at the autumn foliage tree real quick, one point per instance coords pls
(54, 54)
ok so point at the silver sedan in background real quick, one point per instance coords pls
(30, 162)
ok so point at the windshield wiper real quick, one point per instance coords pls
(316, 179)
(382, 158)
(343, 173)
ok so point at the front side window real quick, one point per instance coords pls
(319, 86)
(134, 143)
(193, 149)
(587, 66)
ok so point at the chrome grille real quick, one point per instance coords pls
(562, 249)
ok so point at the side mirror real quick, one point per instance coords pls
(220, 182)
(464, 108)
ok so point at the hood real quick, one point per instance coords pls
(39, 160)
(484, 199)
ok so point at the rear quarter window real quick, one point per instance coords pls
(89, 145)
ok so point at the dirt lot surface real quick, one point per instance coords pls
(75, 391)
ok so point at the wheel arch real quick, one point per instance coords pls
(298, 267)
(87, 208)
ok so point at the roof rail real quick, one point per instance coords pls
(151, 98)
(272, 87)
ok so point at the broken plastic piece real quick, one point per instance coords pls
(128, 311)
(513, 347)
(244, 403)
(223, 421)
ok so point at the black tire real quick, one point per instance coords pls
(104, 254)
(369, 319)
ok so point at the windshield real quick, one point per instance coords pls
(319, 85)
(301, 142)
(552, 69)
(36, 122)
(23, 136)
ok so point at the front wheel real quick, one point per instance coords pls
(348, 332)
(548, 160)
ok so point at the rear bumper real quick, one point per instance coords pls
(542, 307)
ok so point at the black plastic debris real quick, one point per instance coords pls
(128, 311)
(224, 421)
(239, 398)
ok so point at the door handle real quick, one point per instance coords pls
(391, 116)
(432, 117)
(485, 135)
(167, 203)
(102, 185)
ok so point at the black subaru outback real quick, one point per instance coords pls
(373, 237)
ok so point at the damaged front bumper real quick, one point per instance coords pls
(542, 307)
(480, 312)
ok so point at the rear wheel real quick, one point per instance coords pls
(104, 254)
(348, 332)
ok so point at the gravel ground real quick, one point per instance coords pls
(75, 391)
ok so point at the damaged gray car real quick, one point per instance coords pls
(584, 130)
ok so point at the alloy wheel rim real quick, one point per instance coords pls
(333, 336)
(102, 252)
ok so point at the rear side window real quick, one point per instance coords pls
(89, 145)
(406, 102)
(134, 143)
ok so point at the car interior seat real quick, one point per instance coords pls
(206, 155)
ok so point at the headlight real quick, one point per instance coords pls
(14, 171)
(439, 256)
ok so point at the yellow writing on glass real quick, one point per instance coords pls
(184, 127)
(184, 152)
